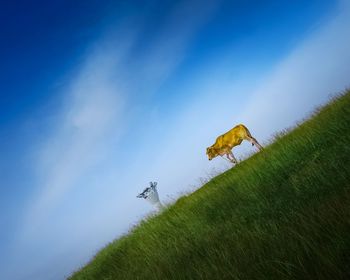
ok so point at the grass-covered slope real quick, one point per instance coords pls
(282, 214)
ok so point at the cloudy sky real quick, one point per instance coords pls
(100, 97)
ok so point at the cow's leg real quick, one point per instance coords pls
(230, 159)
(233, 159)
(254, 142)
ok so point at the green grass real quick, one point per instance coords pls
(284, 213)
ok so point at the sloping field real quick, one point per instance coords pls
(284, 213)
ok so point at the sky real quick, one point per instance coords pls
(98, 98)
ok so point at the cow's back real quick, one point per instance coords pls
(233, 137)
(239, 131)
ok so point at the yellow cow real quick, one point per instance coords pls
(225, 142)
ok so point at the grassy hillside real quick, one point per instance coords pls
(284, 213)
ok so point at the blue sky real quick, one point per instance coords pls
(99, 98)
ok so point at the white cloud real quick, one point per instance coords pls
(94, 104)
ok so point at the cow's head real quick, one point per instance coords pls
(211, 153)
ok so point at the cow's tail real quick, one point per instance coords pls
(248, 134)
(253, 140)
